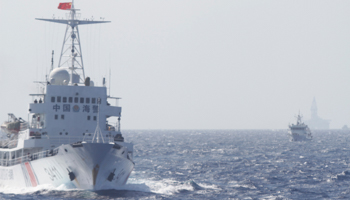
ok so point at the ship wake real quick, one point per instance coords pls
(135, 188)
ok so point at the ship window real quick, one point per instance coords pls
(60, 133)
(66, 133)
(95, 118)
(93, 100)
(53, 99)
(81, 99)
(70, 99)
(58, 99)
(64, 99)
(87, 100)
(83, 133)
(88, 117)
(56, 116)
(76, 99)
(62, 116)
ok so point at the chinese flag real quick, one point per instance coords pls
(65, 6)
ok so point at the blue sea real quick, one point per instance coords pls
(224, 164)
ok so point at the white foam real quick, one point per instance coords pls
(22, 190)
(166, 186)
(213, 187)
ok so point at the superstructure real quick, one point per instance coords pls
(67, 137)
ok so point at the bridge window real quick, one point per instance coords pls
(70, 99)
(81, 99)
(93, 100)
(58, 99)
(76, 99)
(53, 99)
(64, 99)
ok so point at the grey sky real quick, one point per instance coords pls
(194, 64)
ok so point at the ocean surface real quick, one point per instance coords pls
(223, 164)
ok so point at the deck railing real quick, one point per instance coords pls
(28, 157)
(56, 140)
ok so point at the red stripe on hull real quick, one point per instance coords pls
(31, 174)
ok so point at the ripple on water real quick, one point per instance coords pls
(223, 164)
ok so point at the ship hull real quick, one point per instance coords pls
(91, 166)
(295, 137)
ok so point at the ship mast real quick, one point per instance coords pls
(71, 56)
(299, 118)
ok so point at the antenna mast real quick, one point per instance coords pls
(52, 61)
(98, 132)
(109, 82)
(71, 56)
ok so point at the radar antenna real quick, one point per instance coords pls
(71, 55)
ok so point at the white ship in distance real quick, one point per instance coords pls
(299, 131)
(68, 137)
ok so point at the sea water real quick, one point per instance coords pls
(223, 164)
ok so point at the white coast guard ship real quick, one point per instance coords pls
(299, 131)
(66, 138)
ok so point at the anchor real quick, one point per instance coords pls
(111, 176)
(71, 175)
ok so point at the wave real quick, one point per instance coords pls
(345, 175)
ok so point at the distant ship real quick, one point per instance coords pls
(316, 122)
(68, 138)
(345, 128)
(299, 131)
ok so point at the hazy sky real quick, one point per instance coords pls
(191, 64)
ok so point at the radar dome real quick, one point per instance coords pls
(59, 76)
